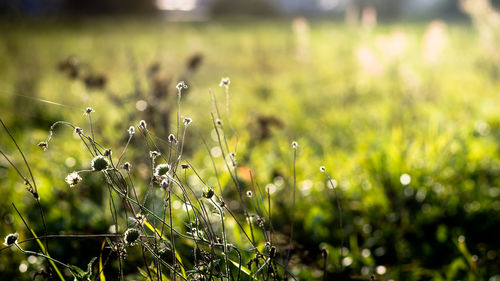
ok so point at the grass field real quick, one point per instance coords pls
(410, 134)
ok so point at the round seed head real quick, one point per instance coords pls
(249, 194)
(140, 219)
(107, 152)
(11, 239)
(153, 154)
(88, 110)
(218, 122)
(73, 179)
(322, 168)
(324, 253)
(164, 184)
(131, 236)
(224, 82)
(181, 85)
(208, 192)
(78, 130)
(295, 145)
(268, 244)
(172, 139)
(162, 170)
(131, 130)
(99, 163)
(126, 166)
(187, 121)
(143, 124)
(43, 145)
(272, 252)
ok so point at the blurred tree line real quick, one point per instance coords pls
(386, 9)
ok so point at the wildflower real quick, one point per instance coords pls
(187, 121)
(131, 130)
(142, 125)
(208, 192)
(88, 110)
(249, 194)
(107, 152)
(73, 179)
(140, 219)
(268, 244)
(153, 154)
(78, 130)
(218, 122)
(181, 85)
(11, 239)
(43, 145)
(224, 82)
(172, 139)
(99, 163)
(164, 184)
(131, 236)
(295, 145)
(272, 252)
(162, 170)
(324, 253)
(126, 166)
(322, 168)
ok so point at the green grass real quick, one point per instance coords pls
(426, 120)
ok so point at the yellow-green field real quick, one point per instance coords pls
(408, 128)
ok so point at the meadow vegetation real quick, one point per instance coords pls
(403, 117)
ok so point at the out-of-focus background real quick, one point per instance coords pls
(398, 99)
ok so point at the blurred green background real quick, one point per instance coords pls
(404, 115)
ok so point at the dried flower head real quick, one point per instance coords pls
(272, 252)
(249, 194)
(131, 236)
(131, 130)
(99, 163)
(208, 192)
(43, 145)
(107, 152)
(224, 82)
(143, 124)
(187, 121)
(172, 139)
(162, 170)
(322, 168)
(154, 154)
(78, 130)
(324, 253)
(88, 110)
(126, 166)
(73, 179)
(184, 166)
(295, 145)
(140, 219)
(164, 184)
(181, 85)
(11, 239)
